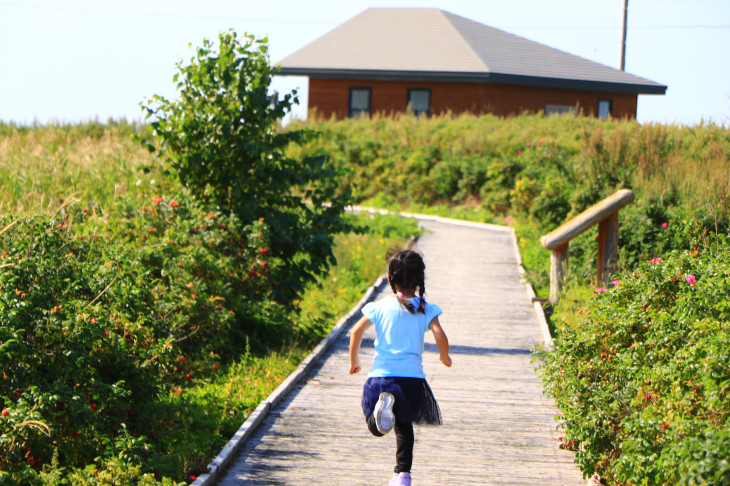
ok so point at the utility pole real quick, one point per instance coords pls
(623, 36)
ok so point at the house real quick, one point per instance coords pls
(385, 60)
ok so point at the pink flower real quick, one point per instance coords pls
(528, 143)
(437, 161)
(540, 142)
(691, 279)
(519, 152)
(601, 289)
(656, 260)
(616, 282)
(664, 225)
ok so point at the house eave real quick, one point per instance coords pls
(476, 77)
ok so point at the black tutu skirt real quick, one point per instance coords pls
(414, 400)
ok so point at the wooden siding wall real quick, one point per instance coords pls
(328, 97)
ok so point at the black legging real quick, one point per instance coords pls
(404, 440)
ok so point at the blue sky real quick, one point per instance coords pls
(76, 60)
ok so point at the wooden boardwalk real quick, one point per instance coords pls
(498, 428)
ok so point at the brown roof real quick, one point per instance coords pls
(428, 43)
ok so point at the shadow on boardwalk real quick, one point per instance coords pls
(498, 427)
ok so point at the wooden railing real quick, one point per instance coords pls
(605, 214)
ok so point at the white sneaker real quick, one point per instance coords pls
(402, 479)
(383, 412)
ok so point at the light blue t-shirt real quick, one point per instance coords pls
(399, 337)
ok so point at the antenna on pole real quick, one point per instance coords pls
(623, 36)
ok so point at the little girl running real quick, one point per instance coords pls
(396, 394)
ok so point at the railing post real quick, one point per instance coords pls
(558, 259)
(607, 249)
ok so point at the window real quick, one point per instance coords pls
(604, 109)
(359, 102)
(420, 101)
(559, 109)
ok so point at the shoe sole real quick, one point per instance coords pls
(384, 418)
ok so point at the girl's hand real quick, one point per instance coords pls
(446, 360)
(355, 367)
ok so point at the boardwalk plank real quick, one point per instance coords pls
(498, 428)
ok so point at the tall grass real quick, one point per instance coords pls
(40, 167)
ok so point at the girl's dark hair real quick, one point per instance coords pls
(406, 269)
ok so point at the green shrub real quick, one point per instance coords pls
(221, 140)
(642, 379)
(81, 347)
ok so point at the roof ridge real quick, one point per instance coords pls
(448, 17)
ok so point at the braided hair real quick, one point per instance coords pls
(406, 269)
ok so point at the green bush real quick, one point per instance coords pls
(81, 346)
(642, 380)
(221, 139)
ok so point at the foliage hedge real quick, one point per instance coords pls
(95, 326)
(643, 379)
(539, 171)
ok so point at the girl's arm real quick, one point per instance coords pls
(442, 342)
(355, 341)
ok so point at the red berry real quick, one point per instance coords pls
(75, 434)
(128, 335)
(5, 412)
(603, 355)
(130, 412)
(188, 376)
(264, 251)
(94, 407)
(181, 359)
(56, 308)
(215, 367)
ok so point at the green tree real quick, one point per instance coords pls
(223, 140)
